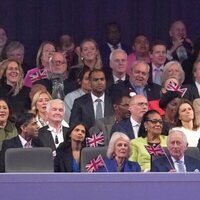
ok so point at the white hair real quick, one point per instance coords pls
(172, 131)
(116, 51)
(114, 138)
(54, 101)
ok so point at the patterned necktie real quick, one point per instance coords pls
(28, 145)
(99, 110)
(180, 165)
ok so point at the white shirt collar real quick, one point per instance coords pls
(94, 98)
(23, 141)
(119, 46)
(116, 78)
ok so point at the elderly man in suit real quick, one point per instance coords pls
(137, 83)
(93, 105)
(27, 128)
(53, 134)
(118, 64)
(176, 161)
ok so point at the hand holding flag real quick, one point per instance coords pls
(172, 86)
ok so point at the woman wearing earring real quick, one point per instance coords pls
(149, 135)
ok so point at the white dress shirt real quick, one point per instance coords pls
(94, 98)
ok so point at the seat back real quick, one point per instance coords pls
(191, 151)
(89, 153)
(29, 160)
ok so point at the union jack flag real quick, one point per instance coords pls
(155, 150)
(95, 164)
(95, 140)
(38, 75)
(172, 86)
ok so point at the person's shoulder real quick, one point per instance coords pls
(138, 140)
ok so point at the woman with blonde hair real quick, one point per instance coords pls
(118, 152)
(38, 106)
(44, 53)
(89, 57)
(11, 85)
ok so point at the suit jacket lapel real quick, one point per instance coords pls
(18, 142)
(50, 139)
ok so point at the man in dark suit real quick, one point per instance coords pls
(53, 134)
(113, 41)
(137, 83)
(120, 105)
(118, 64)
(158, 55)
(138, 106)
(176, 161)
(181, 46)
(93, 105)
(57, 84)
(27, 128)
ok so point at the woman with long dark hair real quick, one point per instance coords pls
(68, 153)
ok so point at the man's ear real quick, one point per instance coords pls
(23, 127)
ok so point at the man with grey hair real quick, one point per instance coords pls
(53, 134)
(118, 64)
(177, 160)
(57, 83)
(138, 83)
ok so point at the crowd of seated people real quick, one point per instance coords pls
(75, 92)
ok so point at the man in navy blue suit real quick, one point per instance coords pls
(176, 161)
(138, 106)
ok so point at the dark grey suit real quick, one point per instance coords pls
(83, 110)
(125, 127)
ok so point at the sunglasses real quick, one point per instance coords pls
(155, 121)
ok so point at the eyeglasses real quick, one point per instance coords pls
(58, 62)
(155, 121)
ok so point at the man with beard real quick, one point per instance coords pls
(93, 105)
(137, 83)
(57, 83)
(53, 134)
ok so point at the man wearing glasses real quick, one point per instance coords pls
(57, 83)
(138, 106)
